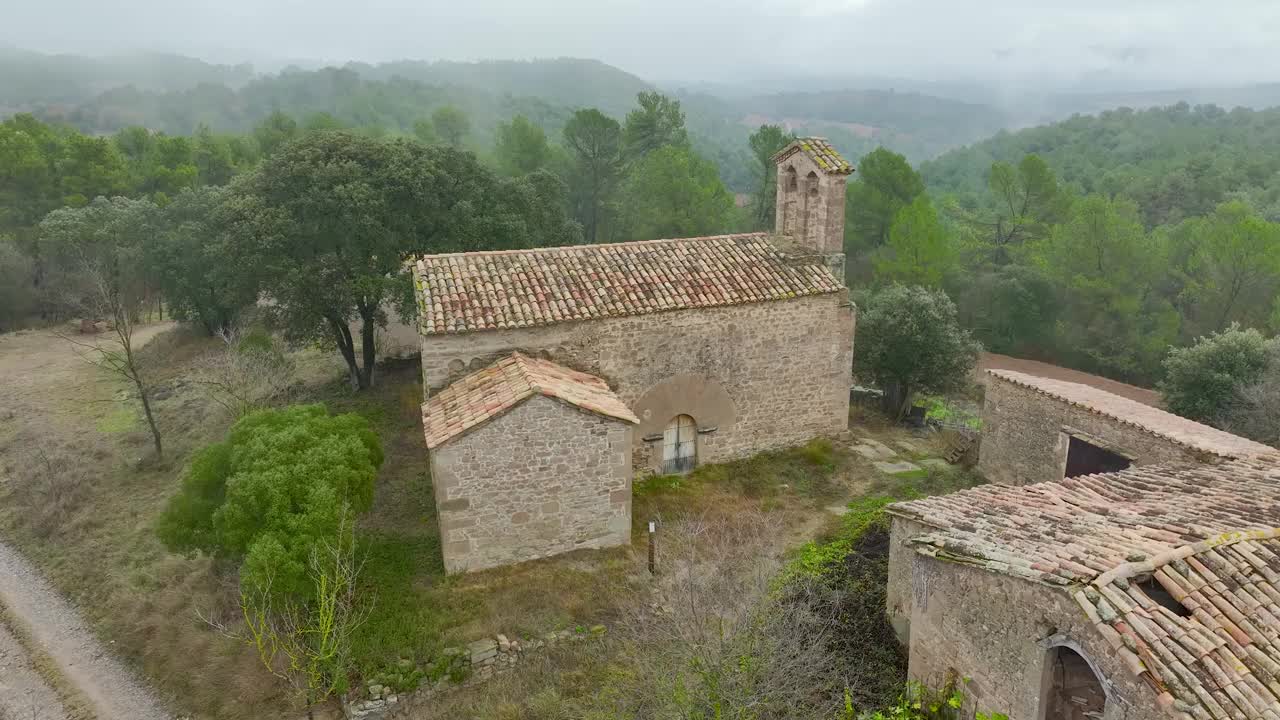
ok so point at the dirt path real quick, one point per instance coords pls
(24, 695)
(44, 619)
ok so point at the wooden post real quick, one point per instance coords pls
(653, 527)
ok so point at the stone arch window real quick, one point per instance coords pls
(811, 183)
(1073, 689)
(680, 445)
(792, 180)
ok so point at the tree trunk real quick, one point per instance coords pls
(896, 400)
(146, 409)
(367, 328)
(342, 335)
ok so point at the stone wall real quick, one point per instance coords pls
(757, 377)
(544, 478)
(999, 631)
(1025, 436)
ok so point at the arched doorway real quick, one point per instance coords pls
(1073, 690)
(680, 445)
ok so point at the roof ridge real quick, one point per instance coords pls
(591, 246)
(1129, 569)
(1258, 450)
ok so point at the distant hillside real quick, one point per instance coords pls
(1256, 97)
(1176, 162)
(571, 82)
(858, 121)
(35, 80)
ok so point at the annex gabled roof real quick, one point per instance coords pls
(1180, 430)
(491, 391)
(820, 151)
(468, 292)
(1208, 535)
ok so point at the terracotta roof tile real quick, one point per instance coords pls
(489, 392)
(466, 292)
(827, 158)
(1180, 430)
(1209, 535)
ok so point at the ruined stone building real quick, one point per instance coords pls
(1134, 577)
(1036, 429)
(554, 374)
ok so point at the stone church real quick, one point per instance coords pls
(554, 375)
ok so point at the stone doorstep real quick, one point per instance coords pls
(901, 467)
(871, 452)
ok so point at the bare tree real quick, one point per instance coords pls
(251, 372)
(722, 638)
(306, 645)
(107, 299)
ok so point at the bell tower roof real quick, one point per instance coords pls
(820, 152)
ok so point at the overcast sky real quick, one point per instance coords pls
(1153, 43)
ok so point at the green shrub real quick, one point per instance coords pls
(283, 481)
(1201, 382)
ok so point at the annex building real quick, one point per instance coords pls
(553, 375)
(1125, 564)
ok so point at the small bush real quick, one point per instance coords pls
(282, 482)
(1201, 381)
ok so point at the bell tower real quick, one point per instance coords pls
(810, 202)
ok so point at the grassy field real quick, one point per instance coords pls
(80, 492)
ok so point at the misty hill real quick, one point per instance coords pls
(1175, 162)
(917, 125)
(1257, 97)
(572, 82)
(35, 80)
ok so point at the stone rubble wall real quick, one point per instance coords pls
(542, 479)
(478, 662)
(754, 377)
(1023, 439)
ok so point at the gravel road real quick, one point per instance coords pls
(57, 629)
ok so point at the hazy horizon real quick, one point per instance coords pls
(1047, 46)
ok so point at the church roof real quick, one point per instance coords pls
(1208, 535)
(491, 391)
(1188, 433)
(818, 150)
(467, 292)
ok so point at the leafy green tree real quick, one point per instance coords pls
(90, 167)
(1201, 381)
(425, 131)
(213, 157)
(919, 251)
(765, 143)
(885, 184)
(1105, 267)
(674, 193)
(595, 142)
(1025, 203)
(521, 146)
(1235, 267)
(17, 298)
(451, 125)
(1011, 309)
(283, 483)
(196, 260)
(274, 132)
(331, 218)
(658, 122)
(538, 204)
(909, 341)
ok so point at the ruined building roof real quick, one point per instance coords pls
(1208, 535)
(1076, 529)
(818, 150)
(489, 392)
(1180, 430)
(467, 292)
